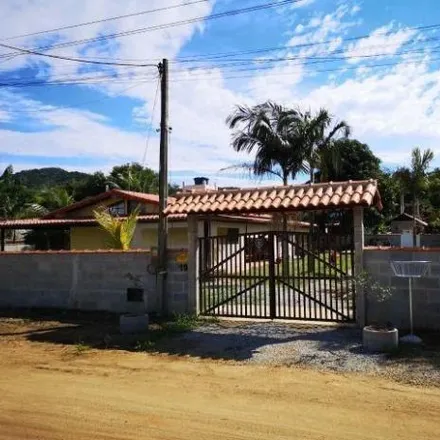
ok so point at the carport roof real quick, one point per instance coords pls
(322, 196)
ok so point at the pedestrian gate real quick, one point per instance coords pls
(287, 275)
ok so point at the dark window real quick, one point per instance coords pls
(117, 209)
(232, 235)
(131, 206)
(257, 248)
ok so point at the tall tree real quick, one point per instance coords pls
(49, 200)
(92, 185)
(356, 162)
(44, 202)
(135, 177)
(266, 129)
(315, 137)
(414, 180)
(13, 195)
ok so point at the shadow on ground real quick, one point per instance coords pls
(220, 340)
(274, 342)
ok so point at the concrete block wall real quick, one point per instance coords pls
(426, 291)
(86, 281)
(394, 240)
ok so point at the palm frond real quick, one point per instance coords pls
(110, 225)
(127, 229)
(120, 232)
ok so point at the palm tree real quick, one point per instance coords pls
(44, 202)
(49, 200)
(315, 135)
(267, 128)
(120, 231)
(414, 180)
(134, 177)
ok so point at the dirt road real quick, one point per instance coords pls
(52, 392)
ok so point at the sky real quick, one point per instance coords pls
(372, 63)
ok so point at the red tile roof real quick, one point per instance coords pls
(113, 193)
(29, 223)
(281, 198)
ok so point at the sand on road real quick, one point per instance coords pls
(53, 392)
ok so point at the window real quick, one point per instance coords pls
(131, 206)
(230, 233)
(117, 208)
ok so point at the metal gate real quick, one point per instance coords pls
(286, 275)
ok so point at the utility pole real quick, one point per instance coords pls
(162, 235)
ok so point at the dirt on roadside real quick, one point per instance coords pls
(53, 390)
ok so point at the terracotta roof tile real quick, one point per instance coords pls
(113, 193)
(47, 222)
(31, 223)
(290, 198)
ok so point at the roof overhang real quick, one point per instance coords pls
(64, 223)
(322, 196)
(116, 194)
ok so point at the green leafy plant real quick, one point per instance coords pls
(179, 324)
(372, 288)
(81, 348)
(135, 279)
(120, 231)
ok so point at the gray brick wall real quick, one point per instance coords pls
(426, 291)
(426, 240)
(86, 281)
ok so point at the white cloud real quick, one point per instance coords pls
(302, 4)
(381, 43)
(390, 108)
(313, 35)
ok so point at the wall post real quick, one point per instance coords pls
(193, 265)
(2, 240)
(358, 238)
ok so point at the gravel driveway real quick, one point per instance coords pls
(327, 348)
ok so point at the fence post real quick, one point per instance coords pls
(272, 283)
(358, 237)
(193, 265)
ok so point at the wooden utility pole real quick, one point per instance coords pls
(163, 190)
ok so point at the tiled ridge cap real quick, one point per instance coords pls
(273, 187)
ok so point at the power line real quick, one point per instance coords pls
(117, 78)
(218, 55)
(75, 105)
(76, 60)
(103, 20)
(342, 69)
(314, 60)
(77, 80)
(308, 60)
(227, 13)
(150, 128)
(208, 77)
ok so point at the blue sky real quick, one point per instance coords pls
(385, 85)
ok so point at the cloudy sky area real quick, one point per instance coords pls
(374, 63)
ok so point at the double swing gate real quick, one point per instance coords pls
(286, 275)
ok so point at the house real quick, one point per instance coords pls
(85, 233)
(405, 222)
(404, 225)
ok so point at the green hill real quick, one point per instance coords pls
(47, 177)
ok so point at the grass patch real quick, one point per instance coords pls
(81, 348)
(167, 329)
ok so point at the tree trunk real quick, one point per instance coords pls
(414, 222)
(284, 242)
